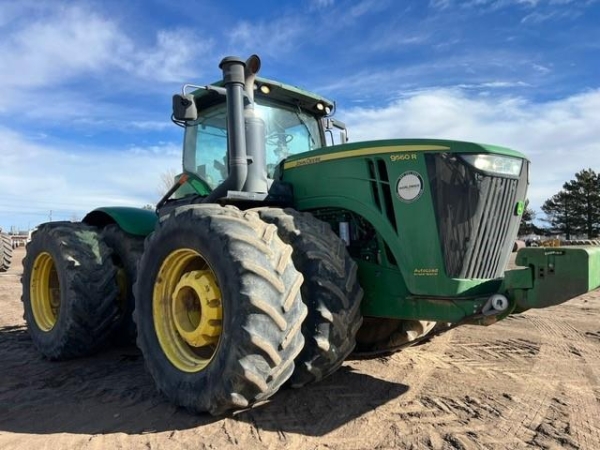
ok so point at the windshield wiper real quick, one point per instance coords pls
(305, 123)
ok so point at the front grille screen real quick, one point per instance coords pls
(475, 215)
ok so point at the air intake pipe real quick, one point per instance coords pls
(255, 134)
(234, 80)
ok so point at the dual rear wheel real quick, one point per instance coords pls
(69, 290)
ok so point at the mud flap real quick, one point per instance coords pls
(551, 276)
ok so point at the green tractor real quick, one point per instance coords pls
(276, 255)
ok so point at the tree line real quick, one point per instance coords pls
(573, 212)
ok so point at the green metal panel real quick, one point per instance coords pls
(329, 181)
(136, 221)
(391, 146)
(552, 275)
(338, 177)
(387, 296)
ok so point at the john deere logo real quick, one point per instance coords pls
(410, 186)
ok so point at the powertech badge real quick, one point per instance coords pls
(410, 186)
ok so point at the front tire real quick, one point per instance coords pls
(218, 308)
(69, 290)
(330, 291)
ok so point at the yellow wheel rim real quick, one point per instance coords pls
(44, 290)
(187, 310)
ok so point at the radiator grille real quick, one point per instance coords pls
(475, 216)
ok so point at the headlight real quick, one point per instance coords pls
(495, 164)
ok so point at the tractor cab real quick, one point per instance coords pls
(292, 124)
(239, 130)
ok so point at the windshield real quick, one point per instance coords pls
(287, 131)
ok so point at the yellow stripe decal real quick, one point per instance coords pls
(361, 152)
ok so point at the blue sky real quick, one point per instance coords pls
(85, 87)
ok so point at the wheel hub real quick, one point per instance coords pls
(196, 308)
(188, 310)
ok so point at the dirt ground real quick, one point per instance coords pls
(532, 381)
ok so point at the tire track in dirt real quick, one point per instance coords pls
(532, 400)
(497, 360)
(413, 417)
(536, 411)
(466, 423)
(416, 417)
(438, 421)
(581, 373)
(426, 361)
(380, 422)
(529, 413)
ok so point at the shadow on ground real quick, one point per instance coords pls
(323, 407)
(112, 393)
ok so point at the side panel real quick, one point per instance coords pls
(136, 221)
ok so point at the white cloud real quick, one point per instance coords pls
(560, 137)
(494, 85)
(479, 66)
(38, 177)
(276, 37)
(172, 59)
(365, 7)
(440, 4)
(61, 45)
(493, 5)
(316, 5)
(53, 49)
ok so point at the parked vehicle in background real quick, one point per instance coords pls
(6, 250)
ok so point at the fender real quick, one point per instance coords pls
(136, 221)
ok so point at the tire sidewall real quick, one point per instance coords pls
(127, 249)
(209, 247)
(46, 341)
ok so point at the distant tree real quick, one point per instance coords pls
(575, 210)
(559, 214)
(585, 190)
(526, 226)
(167, 179)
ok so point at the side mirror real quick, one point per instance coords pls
(330, 124)
(184, 107)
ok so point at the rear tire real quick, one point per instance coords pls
(218, 308)
(6, 252)
(127, 251)
(381, 336)
(69, 290)
(330, 291)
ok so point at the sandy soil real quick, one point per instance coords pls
(532, 381)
